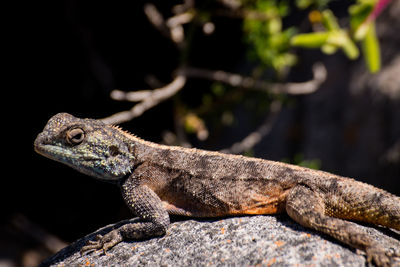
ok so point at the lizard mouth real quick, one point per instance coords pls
(44, 148)
(58, 153)
(41, 148)
(86, 163)
(52, 152)
(80, 163)
(92, 163)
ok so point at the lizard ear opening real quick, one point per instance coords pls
(114, 151)
(75, 136)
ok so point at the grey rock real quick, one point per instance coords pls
(238, 241)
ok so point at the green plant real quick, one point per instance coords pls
(362, 29)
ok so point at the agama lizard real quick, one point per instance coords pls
(158, 180)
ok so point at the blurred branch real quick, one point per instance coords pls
(255, 137)
(146, 98)
(179, 19)
(236, 80)
(156, 18)
(150, 98)
(172, 27)
(232, 4)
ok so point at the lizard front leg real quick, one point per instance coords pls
(147, 206)
(307, 208)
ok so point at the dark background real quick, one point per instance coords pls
(67, 56)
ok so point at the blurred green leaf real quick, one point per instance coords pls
(274, 26)
(298, 159)
(303, 4)
(269, 42)
(358, 14)
(329, 49)
(329, 20)
(218, 89)
(328, 42)
(310, 40)
(361, 31)
(249, 153)
(311, 164)
(207, 100)
(350, 48)
(371, 50)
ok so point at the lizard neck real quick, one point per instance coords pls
(146, 151)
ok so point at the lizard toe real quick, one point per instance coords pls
(110, 244)
(394, 252)
(111, 239)
(378, 256)
(93, 246)
(91, 242)
(103, 243)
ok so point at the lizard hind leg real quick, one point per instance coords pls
(367, 204)
(308, 208)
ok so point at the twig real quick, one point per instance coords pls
(232, 4)
(146, 98)
(150, 98)
(175, 26)
(156, 18)
(180, 19)
(255, 137)
(172, 27)
(237, 80)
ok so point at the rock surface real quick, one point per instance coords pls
(238, 241)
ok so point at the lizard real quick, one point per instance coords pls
(157, 181)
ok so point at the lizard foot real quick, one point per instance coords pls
(379, 256)
(102, 242)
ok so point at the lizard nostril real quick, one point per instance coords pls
(40, 141)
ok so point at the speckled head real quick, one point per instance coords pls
(87, 145)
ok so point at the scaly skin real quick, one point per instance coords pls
(158, 180)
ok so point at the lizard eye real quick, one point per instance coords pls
(75, 136)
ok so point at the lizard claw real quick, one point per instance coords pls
(394, 253)
(379, 256)
(102, 243)
(91, 242)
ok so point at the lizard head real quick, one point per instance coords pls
(87, 145)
